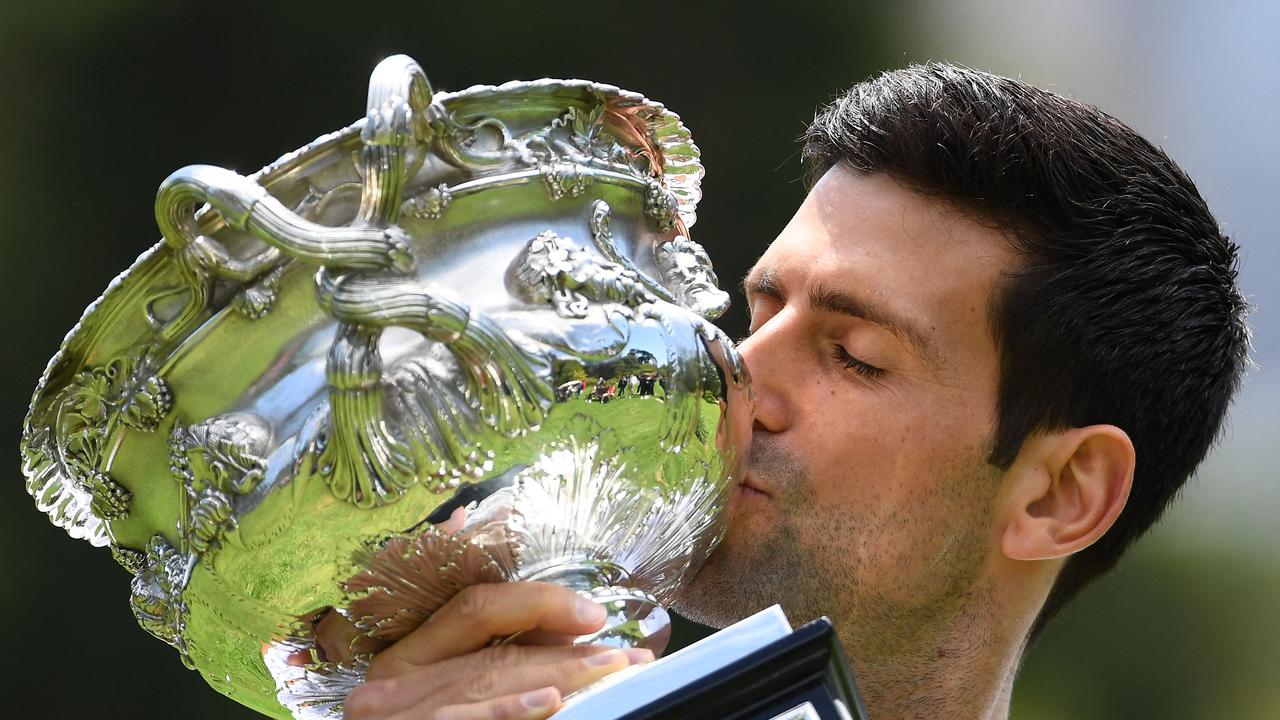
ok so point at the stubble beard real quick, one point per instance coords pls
(751, 571)
(812, 561)
(905, 586)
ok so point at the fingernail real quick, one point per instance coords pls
(538, 699)
(640, 656)
(589, 612)
(607, 657)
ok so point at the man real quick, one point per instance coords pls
(1016, 329)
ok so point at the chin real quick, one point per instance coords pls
(715, 595)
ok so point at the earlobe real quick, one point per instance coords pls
(1066, 490)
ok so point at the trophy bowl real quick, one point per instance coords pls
(478, 308)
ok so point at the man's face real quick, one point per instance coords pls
(867, 497)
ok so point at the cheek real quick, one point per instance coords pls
(915, 532)
(882, 463)
(861, 442)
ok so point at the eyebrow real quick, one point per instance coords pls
(832, 300)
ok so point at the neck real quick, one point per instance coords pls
(962, 666)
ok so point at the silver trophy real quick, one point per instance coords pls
(480, 306)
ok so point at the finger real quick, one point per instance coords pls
(543, 637)
(473, 677)
(532, 705)
(566, 676)
(482, 612)
(457, 683)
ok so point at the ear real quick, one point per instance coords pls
(1065, 490)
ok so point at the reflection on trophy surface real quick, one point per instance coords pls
(481, 307)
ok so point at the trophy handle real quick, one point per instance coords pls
(367, 458)
(399, 99)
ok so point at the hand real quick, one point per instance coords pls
(447, 669)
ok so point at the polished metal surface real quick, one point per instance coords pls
(484, 300)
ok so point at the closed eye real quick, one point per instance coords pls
(864, 369)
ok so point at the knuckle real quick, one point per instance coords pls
(504, 657)
(482, 686)
(473, 600)
(365, 702)
(381, 666)
(554, 598)
(582, 651)
(503, 709)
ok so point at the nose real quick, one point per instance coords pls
(772, 356)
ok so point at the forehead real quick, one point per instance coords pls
(877, 239)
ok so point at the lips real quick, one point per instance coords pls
(750, 486)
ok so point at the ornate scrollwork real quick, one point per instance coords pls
(386, 434)
(216, 461)
(255, 300)
(65, 453)
(245, 205)
(578, 138)
(557, 270)
(660, 205)
(687, 272)
(431, 204)
(391, 384)
(156, 596)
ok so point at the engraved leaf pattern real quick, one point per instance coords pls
(405, 579)
(88, 394)
(57, 493)
(63, 447)
(110, 500)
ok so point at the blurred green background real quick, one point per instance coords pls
(101, 100)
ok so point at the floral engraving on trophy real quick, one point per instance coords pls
(156, 596)
(660, 205)
(110, 499)
(216, 460)
(65, 449)
(563, 179)
(611, 135)
(255, 300)
(591, 139)
(128, 558)
(431, 204)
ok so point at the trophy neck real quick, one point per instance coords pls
(583, 576)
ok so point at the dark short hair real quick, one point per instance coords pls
(1124, 309)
